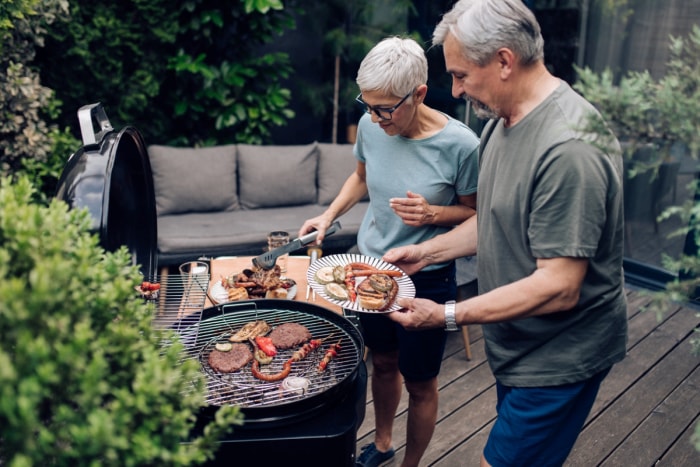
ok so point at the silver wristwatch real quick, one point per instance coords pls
(450, 320)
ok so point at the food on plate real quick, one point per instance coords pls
(237, 293)
(250, 331)
(371, 287)
(257, 283)
(286, 369)
(376, 292)
(339, 274)
(381, 282)
(324, 275)
(288, 335)
(336, 291)
(279, 292)
(349, 281)
(331, 353)
(233, 360)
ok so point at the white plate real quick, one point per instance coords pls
(219, 295)
(406, 287)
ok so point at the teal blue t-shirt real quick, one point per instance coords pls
(440, 168)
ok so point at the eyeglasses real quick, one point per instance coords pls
(384, 113)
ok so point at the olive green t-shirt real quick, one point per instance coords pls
(544, 192)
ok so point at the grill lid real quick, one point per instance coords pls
(111, 176)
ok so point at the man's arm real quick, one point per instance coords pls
(458, 242)
(554, 286)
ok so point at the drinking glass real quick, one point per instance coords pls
(277, 239)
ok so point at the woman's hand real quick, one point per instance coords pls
(319, 224)
(414, 210)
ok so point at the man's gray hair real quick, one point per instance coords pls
(484, 26)
(395, 66)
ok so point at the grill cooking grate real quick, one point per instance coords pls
(241, 387)
(181, 299)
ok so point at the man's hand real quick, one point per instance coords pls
(419, 313)
(408, 258)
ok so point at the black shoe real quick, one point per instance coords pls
(370, 456)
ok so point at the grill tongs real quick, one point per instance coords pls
(268, 259)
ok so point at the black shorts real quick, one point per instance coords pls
(420, 352)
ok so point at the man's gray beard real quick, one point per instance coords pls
(482, 111)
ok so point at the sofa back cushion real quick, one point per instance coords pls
(335, 164)
(273, 176)
(194, 179)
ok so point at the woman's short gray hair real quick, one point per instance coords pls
(484, 26)
(395, 66)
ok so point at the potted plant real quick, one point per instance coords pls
(655, 120)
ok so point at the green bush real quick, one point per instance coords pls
(85, 379)
(184, 73)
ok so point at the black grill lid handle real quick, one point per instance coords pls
(89, 114)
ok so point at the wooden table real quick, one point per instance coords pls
(296, 269)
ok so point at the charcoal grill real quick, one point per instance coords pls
(111, 177)
(265, 402)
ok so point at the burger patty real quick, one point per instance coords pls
(288, 335)
(233, 360)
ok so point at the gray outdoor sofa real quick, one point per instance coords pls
(224, 200)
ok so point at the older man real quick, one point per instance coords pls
(549, 226)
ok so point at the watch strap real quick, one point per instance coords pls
(450, 318)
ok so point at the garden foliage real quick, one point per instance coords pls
(188, 73)
(85, 379)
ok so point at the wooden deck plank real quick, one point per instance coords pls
(659, 430)
(640, 397)
(683, 451)
(609, 429)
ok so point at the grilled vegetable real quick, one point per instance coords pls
(223, 346)
(336, 291)
(261, 357)
(339, 274)
(265, 344)
(324, 275)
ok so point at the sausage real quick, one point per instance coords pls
(286, 369)
(359, 266)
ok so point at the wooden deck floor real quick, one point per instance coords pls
(645, 413)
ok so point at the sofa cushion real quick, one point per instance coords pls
(188, 236)
(273, 176)
(335, 164)
(194, 179)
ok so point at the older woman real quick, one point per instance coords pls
(419, 167)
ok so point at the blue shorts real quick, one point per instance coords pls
(539, 425)
(420, 352)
